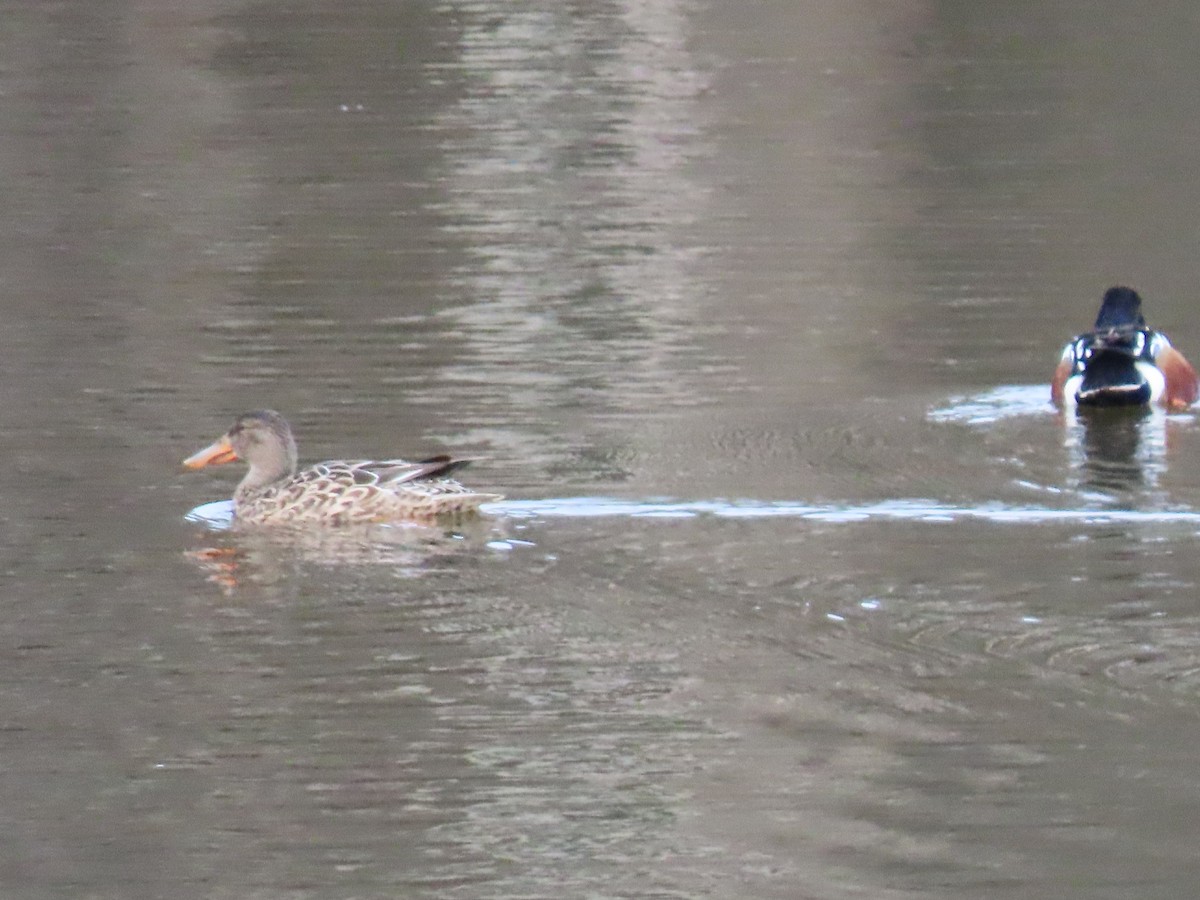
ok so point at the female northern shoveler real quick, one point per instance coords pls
(333, 492)
(1122, 362)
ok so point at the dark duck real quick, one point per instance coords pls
(1123, 362)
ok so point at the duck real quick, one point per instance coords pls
(1122, 362)
(334, 492)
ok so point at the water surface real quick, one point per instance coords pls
(800, 586)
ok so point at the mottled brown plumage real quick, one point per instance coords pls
(335, 491)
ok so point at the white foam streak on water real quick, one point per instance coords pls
(1004, 402)
(218, 515)
(909, 510)
(1010, 401)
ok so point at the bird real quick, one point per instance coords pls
(1123, 362)
(333, 492)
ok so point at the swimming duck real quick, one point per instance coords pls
(1122, 362)
(333, 492)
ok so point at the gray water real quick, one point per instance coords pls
(800, 587)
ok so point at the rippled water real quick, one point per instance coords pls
(800, 586)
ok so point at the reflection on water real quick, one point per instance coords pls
(406, 550)
(1118, 451)
(565, 168)
(1116, 456)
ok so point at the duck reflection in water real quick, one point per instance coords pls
(234, 558)
(1118, 450)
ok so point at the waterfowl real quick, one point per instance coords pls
(335, 491)
(1123, 362)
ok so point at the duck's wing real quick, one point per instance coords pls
(399, 471)
(379, 472)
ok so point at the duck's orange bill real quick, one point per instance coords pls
(218, 452)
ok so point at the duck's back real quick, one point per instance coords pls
(346, 491)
